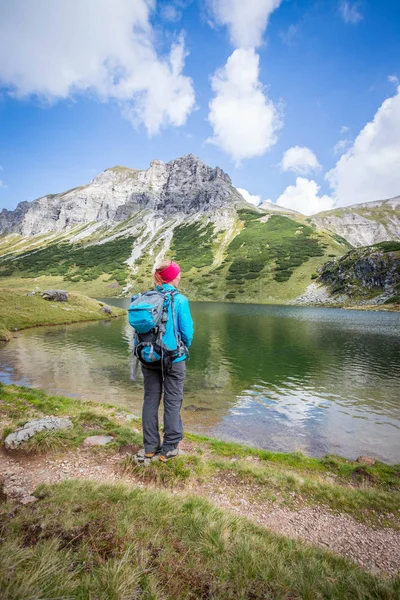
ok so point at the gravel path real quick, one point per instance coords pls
(377, 550)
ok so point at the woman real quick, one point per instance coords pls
(178, 336)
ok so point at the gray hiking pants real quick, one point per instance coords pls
(173, 396)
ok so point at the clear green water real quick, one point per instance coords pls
(284, 378)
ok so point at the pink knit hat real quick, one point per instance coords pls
(170, 273)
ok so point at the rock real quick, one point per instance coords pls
(98, 440)
(30, 294)
(372, 271)
(106, 309)
(16, 492)
(28, 500)
(55, 295)
(131, 417)
(22, 434)
(315, 294)
(366, 460)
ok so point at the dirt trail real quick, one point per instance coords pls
(377, 550)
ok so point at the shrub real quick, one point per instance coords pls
(393, 300)
(390, 246)
(276, 241)
(282, 276)
(75, 259)
(192, 245)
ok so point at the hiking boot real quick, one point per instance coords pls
(146, 458)
(166, 456)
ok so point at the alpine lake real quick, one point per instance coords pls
(320, 381)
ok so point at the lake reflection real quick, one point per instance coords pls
(284, 378)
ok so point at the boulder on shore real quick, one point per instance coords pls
(22, 434)
(55, 295)
(106, 309)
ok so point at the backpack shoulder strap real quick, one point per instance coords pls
(173, 294)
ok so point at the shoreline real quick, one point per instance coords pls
(290, 303)
(20, 311)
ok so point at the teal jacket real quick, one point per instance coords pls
(184, 322)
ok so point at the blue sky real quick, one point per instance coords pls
(246, 83)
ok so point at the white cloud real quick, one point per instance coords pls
(341, 146)
(252, 199)
(246, 19)
(370, 169)
(300, 159)
(344, 129)
(394, 79)
(244, 120)
(304, 197)
(349, 12)
(59, 49)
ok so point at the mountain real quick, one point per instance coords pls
(363, 224)
(184, 185)
(103, 238)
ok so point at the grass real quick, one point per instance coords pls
(369, 494)
(19, 311)
(97, 288)
(117, 543)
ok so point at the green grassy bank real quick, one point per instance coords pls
(19, 311)
(370, 493)
(83, 540)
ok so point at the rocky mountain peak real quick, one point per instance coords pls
(183, 185)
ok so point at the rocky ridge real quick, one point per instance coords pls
(364, 224)
(182, 186)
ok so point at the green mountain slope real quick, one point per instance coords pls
(240, 254)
